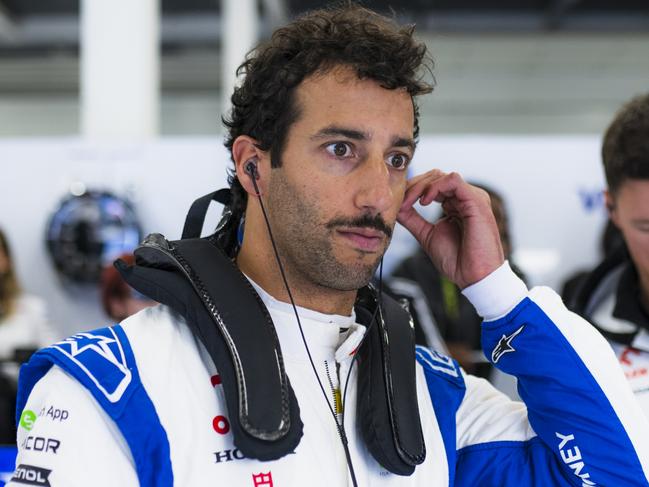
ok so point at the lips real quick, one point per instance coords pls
(366, 239)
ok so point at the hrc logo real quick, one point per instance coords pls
(100, 356)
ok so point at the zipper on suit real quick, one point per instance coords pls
(335, 392)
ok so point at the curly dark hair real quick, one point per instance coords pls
(376, 47)
(625, 151)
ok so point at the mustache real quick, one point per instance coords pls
(375, 222)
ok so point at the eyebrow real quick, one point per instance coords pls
(403, 142)
(335, 130)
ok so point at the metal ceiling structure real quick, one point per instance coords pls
(503, 66)
(34, 25)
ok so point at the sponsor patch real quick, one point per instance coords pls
(54, 414)
(31, 475)
(27, 419)
(41, 444)
(571, 456)
(228, 456)
(263, 479)
(221, 425)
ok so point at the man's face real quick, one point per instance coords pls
(630, 213)
(335, 198)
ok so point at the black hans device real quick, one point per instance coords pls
(198, 278)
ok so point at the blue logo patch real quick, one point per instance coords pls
(437, 361)
(100, 356)
(591, 199)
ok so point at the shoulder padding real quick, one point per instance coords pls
(103, 362)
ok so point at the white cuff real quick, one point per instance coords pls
(497, 294)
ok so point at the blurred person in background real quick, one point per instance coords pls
(615, 295)
(23, 319)
(23, 329)
(118, 299)
(612, 248)
(444, 318)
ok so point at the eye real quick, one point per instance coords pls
(339, 149)
(398, 161)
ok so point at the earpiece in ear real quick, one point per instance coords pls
(250, 167)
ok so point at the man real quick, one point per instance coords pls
(321, 133)
(444, 319)
(615, 295)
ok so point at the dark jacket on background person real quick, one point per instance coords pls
(443, 317)
(610, 298)
(7, 411)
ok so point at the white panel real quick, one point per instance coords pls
(119, 68)
(542, 179)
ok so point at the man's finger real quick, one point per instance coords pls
(417, 225)
(432, 174)
(437, 189)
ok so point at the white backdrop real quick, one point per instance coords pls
(552, 186)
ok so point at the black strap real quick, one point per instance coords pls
(400, 376)
(387, 409)
(196, 214)
(580, 297)
(263, 411)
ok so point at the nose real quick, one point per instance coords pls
(374, 193)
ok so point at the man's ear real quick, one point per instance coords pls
(247, 155)
(609, 201)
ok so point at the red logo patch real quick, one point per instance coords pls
(633, 374)
(624, 357)
(263, 479)
(216, 380)
(221, 425)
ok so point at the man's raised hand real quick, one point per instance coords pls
(464, 244)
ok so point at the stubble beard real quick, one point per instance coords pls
(305, 243)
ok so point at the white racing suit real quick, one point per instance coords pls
(140, 403)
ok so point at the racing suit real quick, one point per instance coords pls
(609, 297)
(142, 402)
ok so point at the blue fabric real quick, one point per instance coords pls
(446, 388)
(7, 462)
(510, 463)
(102, 360)
(561, 397)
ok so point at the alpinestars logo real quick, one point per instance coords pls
(101, 357)
(505, 345)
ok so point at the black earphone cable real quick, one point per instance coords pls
(252, 172)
